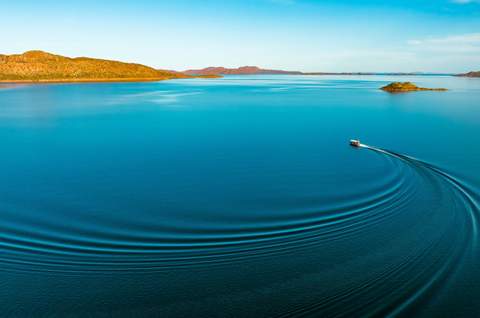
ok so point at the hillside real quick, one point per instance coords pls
(38, 66)
(470, 74)
(244, 70)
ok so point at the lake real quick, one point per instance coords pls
(240, 197)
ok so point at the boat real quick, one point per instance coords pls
(355, 143)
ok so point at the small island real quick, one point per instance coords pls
(403, 87)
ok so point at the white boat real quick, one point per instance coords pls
(355, 143)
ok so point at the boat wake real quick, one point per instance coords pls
(424, 273)
(471, 209)
(473, 206)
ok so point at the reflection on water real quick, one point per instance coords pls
(239, 197)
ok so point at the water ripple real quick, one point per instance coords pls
(35, 244)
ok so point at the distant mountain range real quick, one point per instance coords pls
(244, 70)
(39, 66)
(255, 70)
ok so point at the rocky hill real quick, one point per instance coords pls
(470, 74)
(38, 66)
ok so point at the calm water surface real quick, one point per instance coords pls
(240, 197)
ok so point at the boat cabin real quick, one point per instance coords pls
(355, 143)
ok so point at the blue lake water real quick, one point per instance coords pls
(240, 197)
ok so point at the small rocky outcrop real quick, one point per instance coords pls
(403, 87)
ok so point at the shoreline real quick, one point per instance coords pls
(86, 80)
(101, 80)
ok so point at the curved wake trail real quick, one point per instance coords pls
(471, 206)
(420, 274)
(474, 206)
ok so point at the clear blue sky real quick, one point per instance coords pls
(307, 35)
